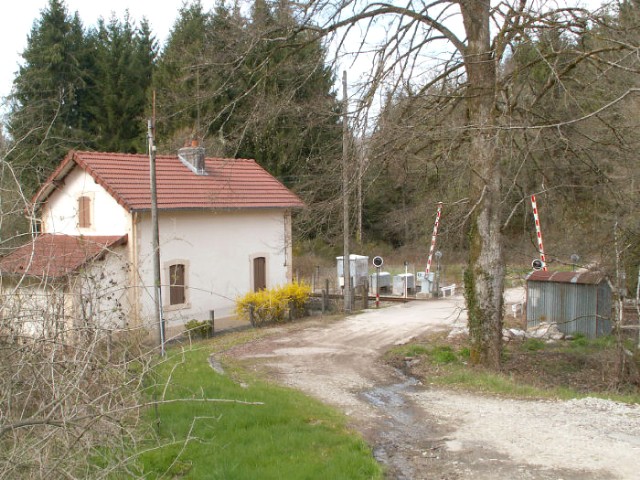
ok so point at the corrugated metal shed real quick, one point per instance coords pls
(576, 301)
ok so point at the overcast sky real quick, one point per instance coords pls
(19, 16)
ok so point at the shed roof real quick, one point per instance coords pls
(226, 184)
(55, 256)
(585, 278)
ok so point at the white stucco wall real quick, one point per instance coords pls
(33, 307)
(102, 293)
(60, 214)
(218, 249)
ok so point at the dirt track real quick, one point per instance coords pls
(422, 432)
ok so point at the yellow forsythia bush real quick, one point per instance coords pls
(275, 304)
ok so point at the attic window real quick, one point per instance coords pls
(84, 212)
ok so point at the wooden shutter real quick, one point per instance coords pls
(84, 212)
(176, 284)
(259, 273)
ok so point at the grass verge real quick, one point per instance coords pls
(234, 426)
(531, 369)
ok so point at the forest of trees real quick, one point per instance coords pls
(582, 170)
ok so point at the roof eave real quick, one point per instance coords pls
(224, 209)
(72, 160)
(50, 184)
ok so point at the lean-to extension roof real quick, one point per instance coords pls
(55, 256)
(226, 184)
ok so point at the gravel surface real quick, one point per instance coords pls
(422, 432)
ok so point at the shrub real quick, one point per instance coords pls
(195, 327)
(274, 305)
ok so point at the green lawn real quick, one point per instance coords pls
(278, 434)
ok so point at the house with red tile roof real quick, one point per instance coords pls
(224, 230)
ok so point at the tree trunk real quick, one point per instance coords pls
(484, 276)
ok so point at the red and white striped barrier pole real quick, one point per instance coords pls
(433, 237)
(538, 232)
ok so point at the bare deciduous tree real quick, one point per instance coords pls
(70, 385)
(465, 46)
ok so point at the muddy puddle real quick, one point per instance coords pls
(402, 440)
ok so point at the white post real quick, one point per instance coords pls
(406, 271)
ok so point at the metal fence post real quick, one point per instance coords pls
(212, 320)
(365, 294)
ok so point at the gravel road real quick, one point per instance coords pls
(422, 432)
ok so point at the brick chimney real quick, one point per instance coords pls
(193, 158)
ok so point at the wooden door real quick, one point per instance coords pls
(259, 273)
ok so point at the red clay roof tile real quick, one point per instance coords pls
(56, 255)
(228, 183)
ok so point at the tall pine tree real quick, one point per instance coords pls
(182, 75)
(47, 117)
(292, 114)
(248, 87)
(78, 90)
(121, 79)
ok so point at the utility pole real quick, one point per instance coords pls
(361, 161)
(157, 288)
(346, 259)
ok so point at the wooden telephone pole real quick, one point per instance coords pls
(346, 260)
(157, 285)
